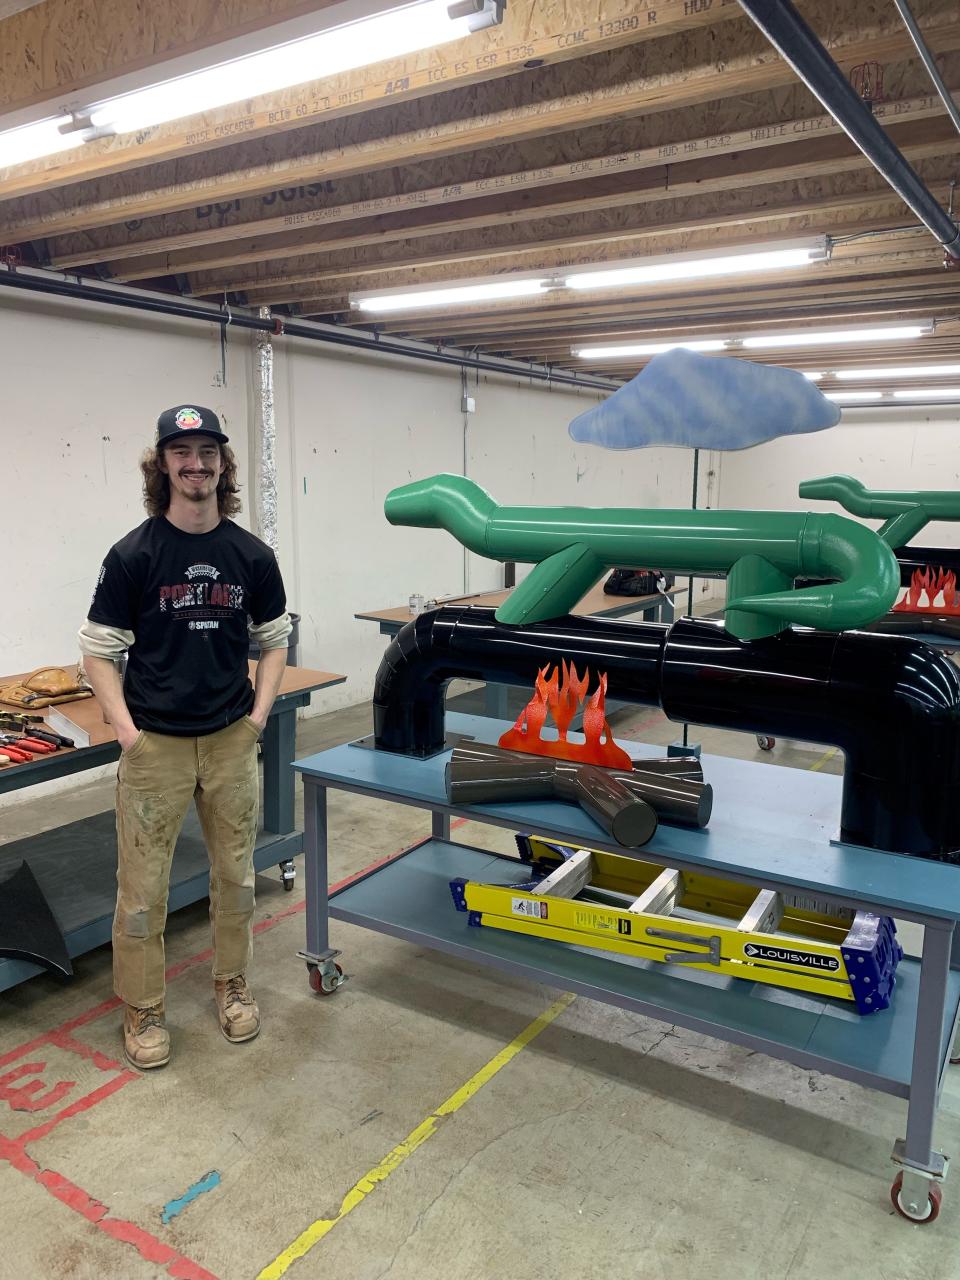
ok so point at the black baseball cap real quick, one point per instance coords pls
(188, 419)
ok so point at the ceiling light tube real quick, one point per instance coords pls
(648, 348)
(853, 397)
(828, 338)
(929, 393)
(34, 141)
(494, 291)
(421, 25)
(901, 371)
(348, 41)
(701, 266)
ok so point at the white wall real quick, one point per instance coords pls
(84, 385)
(886, 449)
(80, 402)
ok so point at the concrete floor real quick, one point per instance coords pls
(610, 1146)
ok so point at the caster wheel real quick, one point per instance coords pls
(287, 885)
(288, 876)
(930, 1212)
(765, 743)
(955, 1062)
(325, 983)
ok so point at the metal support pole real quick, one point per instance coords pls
(279, 782)
(926, 57)
(927, 1046)
(693, 504)
(315, 866)
(791, 36)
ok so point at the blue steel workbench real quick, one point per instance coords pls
(771, 826)
(76, 864)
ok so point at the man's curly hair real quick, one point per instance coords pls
(156, 484)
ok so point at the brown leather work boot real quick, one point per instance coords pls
(146, 1040)
(237, 1009)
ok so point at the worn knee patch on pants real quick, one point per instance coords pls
(146, 923)
(235, 898)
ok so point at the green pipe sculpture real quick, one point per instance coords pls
(905, 511)
(761, 552)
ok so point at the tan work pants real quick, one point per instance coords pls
(156, 780)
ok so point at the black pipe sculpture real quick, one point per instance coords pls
(890, 703)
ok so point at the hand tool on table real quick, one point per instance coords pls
(25, 743)
(15, 756)
(20, 719)
(55, 740)
(32, 727)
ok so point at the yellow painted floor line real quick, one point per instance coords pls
(827, 755)
(426, 1129)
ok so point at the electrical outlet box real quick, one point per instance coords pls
(468, 404)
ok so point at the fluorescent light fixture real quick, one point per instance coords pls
(358, 33)
(828, 338)
(420, 25)
(929, 393)
(702, 266)
(648, 348)
(33, 141)
(901, 371)
(492, 292)
(814, 377)
(853, 397)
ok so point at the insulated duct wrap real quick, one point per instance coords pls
(266, 436)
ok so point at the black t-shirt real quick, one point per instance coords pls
(186, 597)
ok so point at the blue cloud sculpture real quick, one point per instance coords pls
(694, 401)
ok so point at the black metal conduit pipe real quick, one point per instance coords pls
(798, 45)
(184, 309)
(890, 703)
(912, 558)
(927, 58)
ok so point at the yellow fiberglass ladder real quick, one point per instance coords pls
(611, 902)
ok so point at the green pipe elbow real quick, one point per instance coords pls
(905, 511)
(572, 546)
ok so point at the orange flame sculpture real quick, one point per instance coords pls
(929, 583)
(562, 703)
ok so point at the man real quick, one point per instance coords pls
(177, 592)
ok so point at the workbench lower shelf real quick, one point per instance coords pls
(409, 897)
(76, 867)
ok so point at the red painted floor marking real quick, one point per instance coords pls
(68, 1193)
(13, 1151)
(24, 1097)
(175, 970)
(76, 1108)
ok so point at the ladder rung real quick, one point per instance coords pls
(569, 878)
(660, 898)
(764, 914)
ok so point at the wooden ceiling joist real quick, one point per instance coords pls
(580, 132)
(675, 72)
(792, 208)
(813, 157)
(352, 203)
(531, 32)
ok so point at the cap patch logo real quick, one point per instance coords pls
(188, 419)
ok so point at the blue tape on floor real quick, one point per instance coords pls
(173, 1207)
